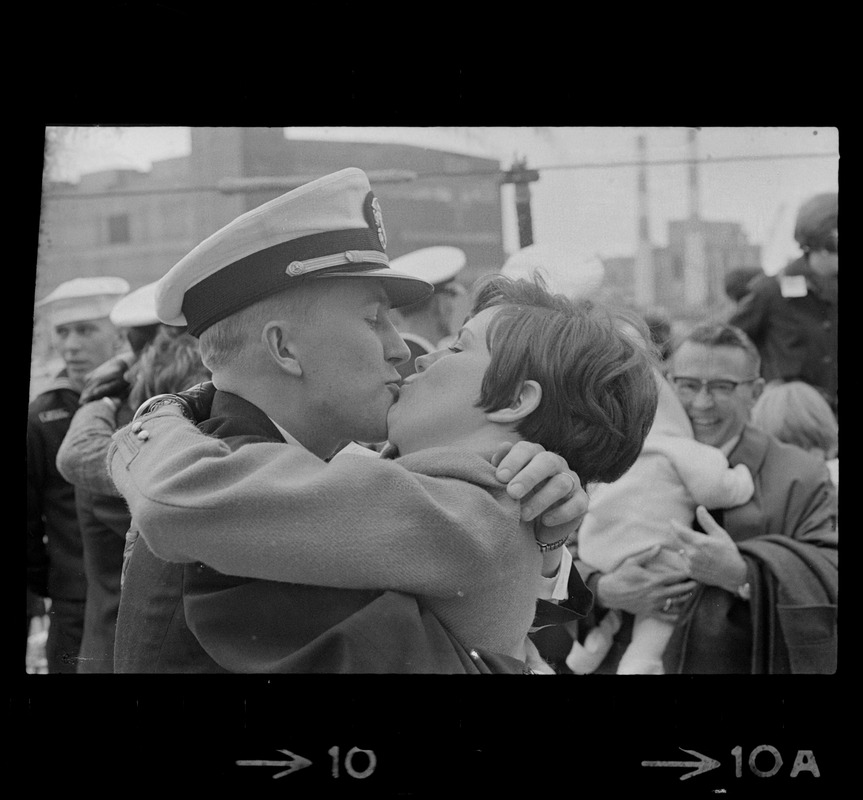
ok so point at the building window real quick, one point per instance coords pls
(118, 229)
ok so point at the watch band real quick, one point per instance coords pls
(154, 402)
(544, 548)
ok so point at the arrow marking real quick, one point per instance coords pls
(294, 763)
(704, 764)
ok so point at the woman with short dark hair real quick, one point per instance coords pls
(429, 518)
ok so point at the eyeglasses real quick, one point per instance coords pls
(689, 387)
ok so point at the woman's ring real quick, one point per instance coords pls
(667, 606)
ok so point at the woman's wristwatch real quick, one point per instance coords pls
(158, 400)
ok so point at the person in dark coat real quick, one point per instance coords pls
(165, 360)
(738, 280)
(103, 518)
(760, 594)
(84, 337)
(793, 317)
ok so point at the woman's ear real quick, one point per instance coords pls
(274, 337)
(526, 403)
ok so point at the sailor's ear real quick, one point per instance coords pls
(275, 337)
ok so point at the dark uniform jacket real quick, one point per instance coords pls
(104, 520)
(252, 626)
(55, 568)
(797, 337)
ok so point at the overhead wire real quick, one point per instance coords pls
(60, 195)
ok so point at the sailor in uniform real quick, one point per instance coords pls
(429, 325)
(84, 337)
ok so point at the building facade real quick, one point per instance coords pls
(137, 225)
(687, 276)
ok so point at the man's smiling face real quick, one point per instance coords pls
(716, 419)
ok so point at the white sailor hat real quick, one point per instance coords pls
(83, 299)
(437, 265)
(137, 309)
(329, 228)
(570, 274)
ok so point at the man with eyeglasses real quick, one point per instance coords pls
(792, 317)
(766, 571)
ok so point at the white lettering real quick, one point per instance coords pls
(738, 761)
(805, 761)
(349, 762)
(349, 759)
(777, 761)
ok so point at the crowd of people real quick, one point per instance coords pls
(293, 455)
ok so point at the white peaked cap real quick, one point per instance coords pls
(137, 308)
(573, 275)
(83, 299)
(329, 228)
(436, 265)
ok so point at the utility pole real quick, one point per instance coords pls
(645, 280)
(522, 177)
(697, 276)
(694, 189)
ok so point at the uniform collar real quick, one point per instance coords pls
(231, 415)
(285, 435)
(61, 381)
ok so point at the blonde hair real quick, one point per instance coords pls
(797, 413)
(223, 343)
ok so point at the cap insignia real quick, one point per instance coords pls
(375, 218)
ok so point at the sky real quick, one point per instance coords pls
(583, 210)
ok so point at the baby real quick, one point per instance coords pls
(672, 475)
